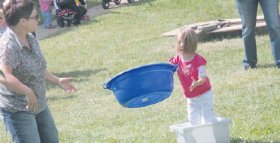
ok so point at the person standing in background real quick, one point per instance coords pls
(248, 11)
(45, 6)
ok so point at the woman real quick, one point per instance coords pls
(23, 103)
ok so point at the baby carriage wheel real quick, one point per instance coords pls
(105, 4)
(117, 2)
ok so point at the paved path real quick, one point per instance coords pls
(93, 12)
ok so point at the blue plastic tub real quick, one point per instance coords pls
(143, 86)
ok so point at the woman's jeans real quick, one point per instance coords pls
(26, 127)
(248, 11)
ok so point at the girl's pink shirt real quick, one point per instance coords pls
(45, 5)
(189, 69)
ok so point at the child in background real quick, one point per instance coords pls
(193, 78)
(45, 6)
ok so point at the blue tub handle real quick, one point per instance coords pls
(105, 86)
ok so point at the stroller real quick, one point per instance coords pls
(105, 3)
(69, 13)
(65, 16)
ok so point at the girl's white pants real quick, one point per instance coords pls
(201, 109)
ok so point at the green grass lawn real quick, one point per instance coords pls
(130, 36)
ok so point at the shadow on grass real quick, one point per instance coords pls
(264, 66)
(237, 140)
(80, 76)
(228, 35)
(57, 97)
(142, 2)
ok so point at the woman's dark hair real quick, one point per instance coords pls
(17, 9)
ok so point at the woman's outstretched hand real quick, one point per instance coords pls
(65, 83)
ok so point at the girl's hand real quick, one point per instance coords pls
(65, 83)
(194, 84)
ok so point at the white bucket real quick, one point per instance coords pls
(216, 132)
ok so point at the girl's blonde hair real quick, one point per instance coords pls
(187, 40)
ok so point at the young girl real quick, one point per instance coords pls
(193, 78)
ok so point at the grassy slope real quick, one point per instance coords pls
(130, 36)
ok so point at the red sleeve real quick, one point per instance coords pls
(174, 60)
(200, 61)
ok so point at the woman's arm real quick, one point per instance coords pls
(13, 84)
(51, 77)
(64, 83)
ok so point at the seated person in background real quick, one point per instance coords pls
(81, 8)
